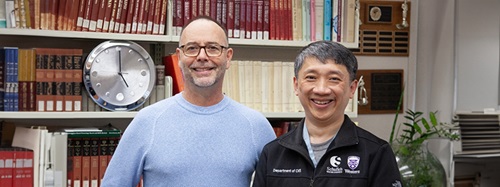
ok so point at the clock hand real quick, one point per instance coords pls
(120, 67)
(120, 62)
(123, 79)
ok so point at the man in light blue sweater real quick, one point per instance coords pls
(199, 137)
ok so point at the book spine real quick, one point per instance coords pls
(163, 18)
(112, 17)
(152, 15)
(60, 14)
(81, 14)
(230, 18)
(130, 16)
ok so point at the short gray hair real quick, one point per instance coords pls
(328, 50)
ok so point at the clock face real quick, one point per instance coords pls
(119, 75)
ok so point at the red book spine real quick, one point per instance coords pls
(107, 15)
(53, 14)
(143, 18)
(122, 17)
(213, 9)
(177, 21)
(260, 19)
(272, 19)
(194, 8)
(266, 15)
(224, 13)
(152, 14)
(73, 15)
(94, 14)
(236, 21)
(138, 11)
(6, 170)
(130, 16)
(112, 17)
(248, 26)
(201, 7)
(87, 14)
(59, 81)
(187, 11)
(281, 20)
(100, 15)
(230, 18)
(289, 19)
(163, 17)
(206, 8)
(28, 168)
(118, 15)
(60, 14)
(18, 170)
(86, 162)
(219, 11)
(242, 19)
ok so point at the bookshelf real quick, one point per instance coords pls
(86, 40)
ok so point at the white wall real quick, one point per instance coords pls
(477, 54)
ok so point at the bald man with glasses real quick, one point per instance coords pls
(199, 137)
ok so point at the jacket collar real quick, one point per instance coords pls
(346, 136)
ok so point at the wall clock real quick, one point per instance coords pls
(119, 75)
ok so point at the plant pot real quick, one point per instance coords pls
(418, 166)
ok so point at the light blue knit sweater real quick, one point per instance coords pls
(175, 143)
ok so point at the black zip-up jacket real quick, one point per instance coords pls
(355, 157)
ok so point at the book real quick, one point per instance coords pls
(2, 80)
(60, 14)
(236, 18)
(94, 14)
(163, 17)
(80, 15)
(121, 16)
(107, 15)
(11, 83)
(130, 16)
(177, 20)
(3, 18)
(112, 17)
(172, 69)
(327, 20)
(6, 166)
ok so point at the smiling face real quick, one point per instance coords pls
(324, 89)
(202, 70)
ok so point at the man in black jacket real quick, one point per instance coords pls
(327, 148)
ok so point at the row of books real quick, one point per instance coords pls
(262, 85)
(68, 157)
(305, 20)
(40, 79)
(114, 16)
(16, 167)
(49, 79)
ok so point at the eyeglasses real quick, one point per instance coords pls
(211, 50)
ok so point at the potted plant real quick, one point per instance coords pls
(417, 165)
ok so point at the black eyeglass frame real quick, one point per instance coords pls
(203, 47)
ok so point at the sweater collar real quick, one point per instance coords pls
(203, 110)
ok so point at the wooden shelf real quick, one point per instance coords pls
(148, 38)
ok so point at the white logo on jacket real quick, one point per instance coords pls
(335, 162)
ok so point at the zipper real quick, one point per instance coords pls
(312, 181)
